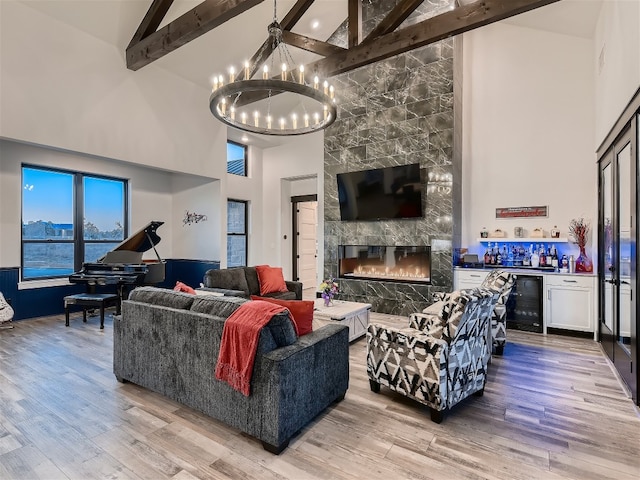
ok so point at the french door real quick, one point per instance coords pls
(617, 254)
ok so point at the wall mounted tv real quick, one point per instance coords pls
(381, 193)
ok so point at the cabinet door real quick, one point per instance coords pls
(570, 308)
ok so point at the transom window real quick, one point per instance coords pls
(69, 218)
(236, 158)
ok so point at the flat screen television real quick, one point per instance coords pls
(381, 193)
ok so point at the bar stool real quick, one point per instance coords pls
(89, 300)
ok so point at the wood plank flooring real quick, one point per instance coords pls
(552, 409)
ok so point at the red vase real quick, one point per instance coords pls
(583, 262)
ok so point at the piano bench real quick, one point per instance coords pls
(87, 300)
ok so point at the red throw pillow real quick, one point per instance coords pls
(301, 312)
(182, 287)
(271, 279)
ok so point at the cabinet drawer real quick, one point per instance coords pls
(575, 281)
(468, 278)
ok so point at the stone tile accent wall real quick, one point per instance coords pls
(395, 112)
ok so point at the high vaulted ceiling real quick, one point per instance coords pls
(237, 39)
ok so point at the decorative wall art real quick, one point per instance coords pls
(190, 218)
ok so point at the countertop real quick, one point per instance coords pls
(525, 271)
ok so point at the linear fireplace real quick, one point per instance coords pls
(389, 264)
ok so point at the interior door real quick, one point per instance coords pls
(618, 187)
(607, 259)
(307, 242)
(626, 260)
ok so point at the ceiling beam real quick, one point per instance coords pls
(448, 24)
(288, 22)
(310, 44)
(354, 31)
(393, 19)
(189, 26)
(151, 20)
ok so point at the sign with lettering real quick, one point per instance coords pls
(522, 212)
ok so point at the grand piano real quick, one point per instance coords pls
(123, 266)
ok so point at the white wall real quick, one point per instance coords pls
(250, 189)
(528, 123)
(300, 158)
(202, 240)
(64, 88)
(150, 193)
(617, 42)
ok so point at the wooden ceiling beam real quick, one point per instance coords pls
(354, 31)
(393, 19)
(448, 24)
(310, 44)
(288, 22)
(151, 20)
(189, 26)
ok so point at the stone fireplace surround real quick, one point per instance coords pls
(396, 112)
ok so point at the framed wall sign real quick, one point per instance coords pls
(522, 212)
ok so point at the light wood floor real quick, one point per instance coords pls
(552, 409)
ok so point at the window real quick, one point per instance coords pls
(237, 233)
(236, 159)
(68, 218)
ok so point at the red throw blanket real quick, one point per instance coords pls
(240, 341)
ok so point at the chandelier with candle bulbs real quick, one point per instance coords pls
(284, 104)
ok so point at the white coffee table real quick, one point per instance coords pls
(353, 314)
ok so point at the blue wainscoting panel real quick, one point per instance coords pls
(43, 301)
(9, 283)
(190, 272)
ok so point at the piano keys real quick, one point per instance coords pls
(123, 266)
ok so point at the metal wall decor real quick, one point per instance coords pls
(190, 218)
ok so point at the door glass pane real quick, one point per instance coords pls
(607, 208)
(623, 333)
(103, 209)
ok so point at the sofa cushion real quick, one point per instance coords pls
(219, 306)
(301, 311)
(228, 278)
(252, 280)
(283, 329)
(162, 297)
(271, 279)
(288, 295)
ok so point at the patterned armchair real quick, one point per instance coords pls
(441, 358)
(502, 283)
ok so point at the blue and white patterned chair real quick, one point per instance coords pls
(501, 282)
(441, 358)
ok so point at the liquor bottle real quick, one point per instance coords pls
(499, 257)
(487, 257)
(554, 258)
(543, 257)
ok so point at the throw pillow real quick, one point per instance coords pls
(301, 312)
(271, 279)
(182, 287)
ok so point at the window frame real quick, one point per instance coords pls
(246, 229)
(245, 149)
(78, 240)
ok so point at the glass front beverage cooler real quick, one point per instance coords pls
(524, 306)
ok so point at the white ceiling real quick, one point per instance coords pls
(115, 21)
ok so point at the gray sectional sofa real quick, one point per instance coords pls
(243, 282)
(168, 342)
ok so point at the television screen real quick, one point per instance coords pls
(381, 193)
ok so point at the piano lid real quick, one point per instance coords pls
(144, 239)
